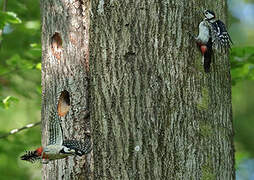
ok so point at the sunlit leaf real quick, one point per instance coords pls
(8, 17)
(38, 66)
(9, 101)
(32, 25)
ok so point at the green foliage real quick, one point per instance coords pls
(242, 64)
(249, 1)
(8, 17)
(243, 104)
(20, 89)
(11, 149)
(8, 101)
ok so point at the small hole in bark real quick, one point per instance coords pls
(64, 103)
(56, 45)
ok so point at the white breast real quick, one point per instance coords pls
(204, 34)
(52, 149)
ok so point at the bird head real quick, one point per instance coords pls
(209, 15)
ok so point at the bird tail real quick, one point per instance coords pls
(208, 56)
(207, 62)
(30, 156)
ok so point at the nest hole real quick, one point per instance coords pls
(63, 103)
(56, 45)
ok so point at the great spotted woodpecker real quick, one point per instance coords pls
(204, 41)
(57, 148)
(218, 29)
(211, 32)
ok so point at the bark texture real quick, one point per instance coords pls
(155, 114)
(65, 28)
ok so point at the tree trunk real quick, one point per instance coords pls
(65, 30)
(155, 113)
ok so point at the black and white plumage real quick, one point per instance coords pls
(57, 148)
(218, 30)
(79, 147)
(31, 156)
(212, 33)
(220, 33)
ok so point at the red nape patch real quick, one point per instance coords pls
(203, 49)
(39, 151)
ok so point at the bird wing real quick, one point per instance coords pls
(80, 148)
(220, 34)
(55, 129)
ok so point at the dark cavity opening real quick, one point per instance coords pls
(56, 45)
(64, 103)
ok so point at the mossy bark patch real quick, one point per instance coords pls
(204, 100)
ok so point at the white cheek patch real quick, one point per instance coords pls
(68, 150)
(209, 16)
(72, 150)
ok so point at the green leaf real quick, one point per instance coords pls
(38, 66)
(9, 101)
(8, 17)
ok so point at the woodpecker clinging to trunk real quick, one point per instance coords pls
(211, 32)
(57, 148)
(218, 30)
(204, 41)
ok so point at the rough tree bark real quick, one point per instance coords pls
(65, 30)
(155, 114)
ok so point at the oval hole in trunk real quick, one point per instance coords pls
(64, 103)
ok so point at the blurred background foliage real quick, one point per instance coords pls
(20, 87)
